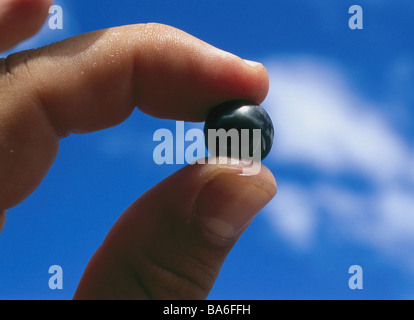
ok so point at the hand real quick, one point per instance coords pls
(172, 241)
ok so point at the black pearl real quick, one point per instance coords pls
(240, 114)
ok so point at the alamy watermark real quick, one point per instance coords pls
(356, 280)
(238, 147)
(56, 280)
(356, 20)
(56, 17)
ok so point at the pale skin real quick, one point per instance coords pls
(161, 247)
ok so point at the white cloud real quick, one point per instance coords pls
(325, 126)
(320, 121)
(293, 214)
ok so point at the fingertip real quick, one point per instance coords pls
(22, 19)
(230, 200)
(29, 4)
(238, 77)
(261, 80)
(267, 176)
(2, 219)
(214, 166)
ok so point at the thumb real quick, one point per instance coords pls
(171, 243)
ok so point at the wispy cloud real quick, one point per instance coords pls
(322, 123)
(294, 215)
(325, 126)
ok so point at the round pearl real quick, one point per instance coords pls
(239, 115)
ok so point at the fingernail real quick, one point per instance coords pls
(2, 219)
(230, 201)
(252, 63)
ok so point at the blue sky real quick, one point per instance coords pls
(341, 101)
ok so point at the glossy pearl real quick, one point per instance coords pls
(240, 115)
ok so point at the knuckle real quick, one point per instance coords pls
(176, 271)
(16, 66)
(154, 26)
(161, 34)
(174, 277)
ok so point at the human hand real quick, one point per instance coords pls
(172, 241)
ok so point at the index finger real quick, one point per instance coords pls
(93, 81)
